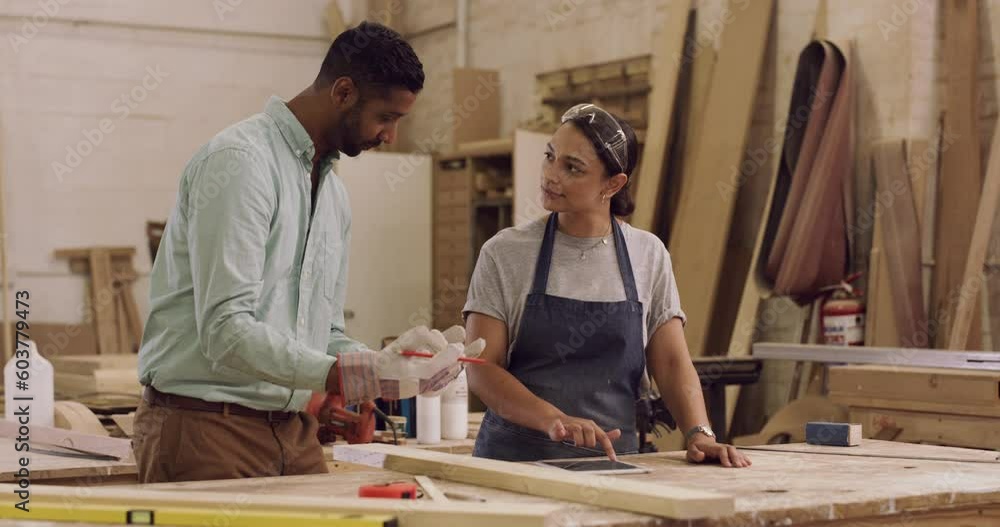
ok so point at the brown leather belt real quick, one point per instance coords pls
(157, 398)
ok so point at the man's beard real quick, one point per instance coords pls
(354, 144)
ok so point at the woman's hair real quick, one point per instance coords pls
(621, 203)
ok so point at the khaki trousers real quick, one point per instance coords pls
(173, 444)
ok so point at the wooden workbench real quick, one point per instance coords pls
(787, 485)
(63, 470)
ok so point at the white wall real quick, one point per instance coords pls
(66, 66)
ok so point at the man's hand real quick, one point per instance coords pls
(583, 433)
(365, 375)
(402, 377)
(702, 448)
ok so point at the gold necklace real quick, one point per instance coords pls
(602, 241)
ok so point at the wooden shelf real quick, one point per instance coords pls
(493, 202)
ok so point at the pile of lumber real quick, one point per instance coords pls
(90, 376)
(113, 308)
(941, 406)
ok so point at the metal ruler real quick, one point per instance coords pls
(931, 358)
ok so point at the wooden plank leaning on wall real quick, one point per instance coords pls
(701, 228)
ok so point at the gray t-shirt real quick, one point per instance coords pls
(506, 268)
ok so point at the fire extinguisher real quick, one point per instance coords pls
(843, 314)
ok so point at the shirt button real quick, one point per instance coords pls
(302, 321)
(305, 274)
(298, 152)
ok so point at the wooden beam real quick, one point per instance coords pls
(901, 238)
(71, 415)
(915, 388)
(596, 490)
(84, 253)
(39, 435)
(973, 279)
(411, 513)
(88, 364)
(430, 489)
(961, 172)
(102, 300)
(701, 227)
(943, 428)
(669, 57)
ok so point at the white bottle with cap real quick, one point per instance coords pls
(40, 382)
(455, 409)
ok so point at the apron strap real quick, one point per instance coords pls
(545, 256)
(624, 263)
(544, 261)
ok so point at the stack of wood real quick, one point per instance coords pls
(621, 87)
(113, 309)
(921, 405)
(95, 376)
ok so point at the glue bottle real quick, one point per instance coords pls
(428, 419)
(455, 409)
(40, 387)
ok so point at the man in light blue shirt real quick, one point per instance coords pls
(248, 287)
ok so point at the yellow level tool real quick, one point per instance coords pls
(232, 516)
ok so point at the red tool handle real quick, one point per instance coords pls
(404, 491)
(426, 355)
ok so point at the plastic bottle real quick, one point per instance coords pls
(428, 419)
(41, 388)
(455, 409)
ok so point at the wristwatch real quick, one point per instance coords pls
(703, 429)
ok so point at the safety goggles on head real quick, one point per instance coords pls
(605, 126)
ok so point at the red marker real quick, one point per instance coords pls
(426, 355)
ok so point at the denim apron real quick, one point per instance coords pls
(585, 358)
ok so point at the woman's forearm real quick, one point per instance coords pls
(495, 386)
(506, 396)
(675, 376)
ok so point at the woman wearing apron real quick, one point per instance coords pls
(574, 307)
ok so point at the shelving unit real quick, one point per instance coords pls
(473, 200)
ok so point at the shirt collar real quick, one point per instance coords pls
(293, 131)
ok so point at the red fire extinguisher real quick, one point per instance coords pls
(843, 314)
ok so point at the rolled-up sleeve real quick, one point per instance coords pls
(486, 288)
(665, 303)
(230, 206)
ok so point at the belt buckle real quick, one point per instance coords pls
(272, 416)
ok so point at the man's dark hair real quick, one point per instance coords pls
(373, 56)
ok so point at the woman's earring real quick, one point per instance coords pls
(604, 197)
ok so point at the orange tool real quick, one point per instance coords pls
(334, 419)
(405, 491)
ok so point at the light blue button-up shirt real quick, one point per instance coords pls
(247, 291)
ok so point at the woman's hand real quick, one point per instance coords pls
(703, 447)
(583, 433)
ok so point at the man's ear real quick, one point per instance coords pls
(344, 93)
(615, 184)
